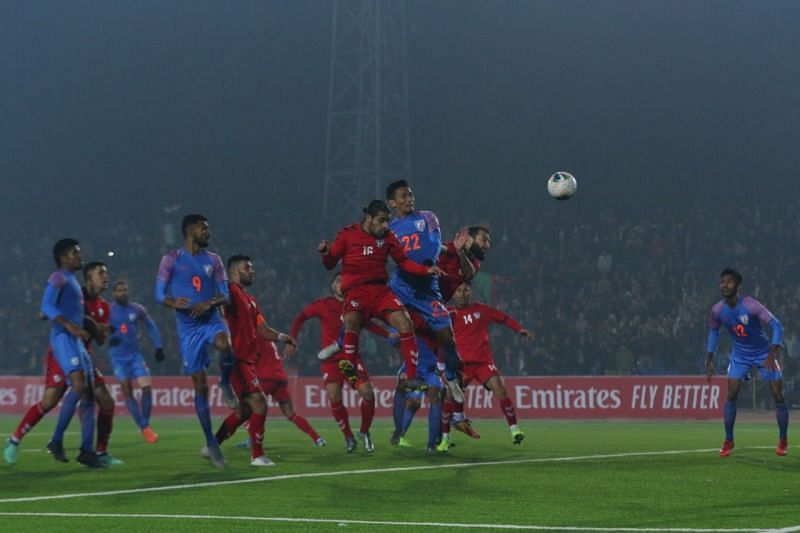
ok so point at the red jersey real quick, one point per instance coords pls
(329, 312)
(471, 328)
(270, 364)
(96, 308)
(242, 316)
(451, 264)
(364, 257)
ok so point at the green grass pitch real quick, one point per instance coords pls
(577, 475)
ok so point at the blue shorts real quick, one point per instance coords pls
(71, 354)
(739, 367)
(426, 369)
(129, 366)
(193, 339)
(428, 305)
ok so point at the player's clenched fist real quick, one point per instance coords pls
(323, 247)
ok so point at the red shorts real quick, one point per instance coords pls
(371, 301)
(332, 374)
(278, 389)
(244, 379)
(54, 377)
(480, 372)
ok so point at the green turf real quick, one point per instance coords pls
(753, 488)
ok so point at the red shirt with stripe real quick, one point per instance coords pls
(241, 314)
(451, 264)
(364, 257)
(96, 308)
(471, 328)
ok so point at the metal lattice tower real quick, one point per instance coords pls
(367, 144)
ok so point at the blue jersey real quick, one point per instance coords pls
(421, 237)
(196, 277)
(63, 296)
(744, 324)
(123, 321)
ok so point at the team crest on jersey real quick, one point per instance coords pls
(476, 314)
(209, 269)
(420, 224)
(379, 242)
(100, 312)
(744, 319)
(354, 303)
(57, 378)
(132, 317)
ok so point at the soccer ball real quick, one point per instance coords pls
(562, 185)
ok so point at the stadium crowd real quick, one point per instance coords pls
(613, 295)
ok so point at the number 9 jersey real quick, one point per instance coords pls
(744, 323)
(196, 277)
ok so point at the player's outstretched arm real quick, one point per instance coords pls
(268, 332)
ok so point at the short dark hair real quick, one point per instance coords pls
(473, 230)
(236, 259)
(118, 283)
(91, 266)
(191, 220)
(375, 207)
(393, 186)
(737, 277)
(61, 248)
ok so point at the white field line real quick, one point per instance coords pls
(351, 473)
(343, 522)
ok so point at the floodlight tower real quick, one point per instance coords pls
(367, 141)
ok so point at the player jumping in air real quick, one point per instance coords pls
(127, 359)
(743, 317)
(192, 281)
(363, 249)
(329, 312)
(421, 239)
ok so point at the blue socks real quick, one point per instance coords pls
(730, 419)
(204, 415)
(782, 416)
(67, 411)
(451, 362)
(87, 414)
(434, 424)
(133, 408)
(147, 405)
(398, 407)
(408, 417)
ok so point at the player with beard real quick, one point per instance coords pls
(127, 358)
(193, 282)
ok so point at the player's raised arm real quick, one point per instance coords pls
(498, 317)
(459, 246)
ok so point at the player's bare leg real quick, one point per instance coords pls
(400, 321)
(52, 395)
(452, 362)
(729, 414)
(222, 342)
(302, 424)
(781, 415)
(339, 411)
(498, 388)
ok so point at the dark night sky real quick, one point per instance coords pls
(136, 105)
